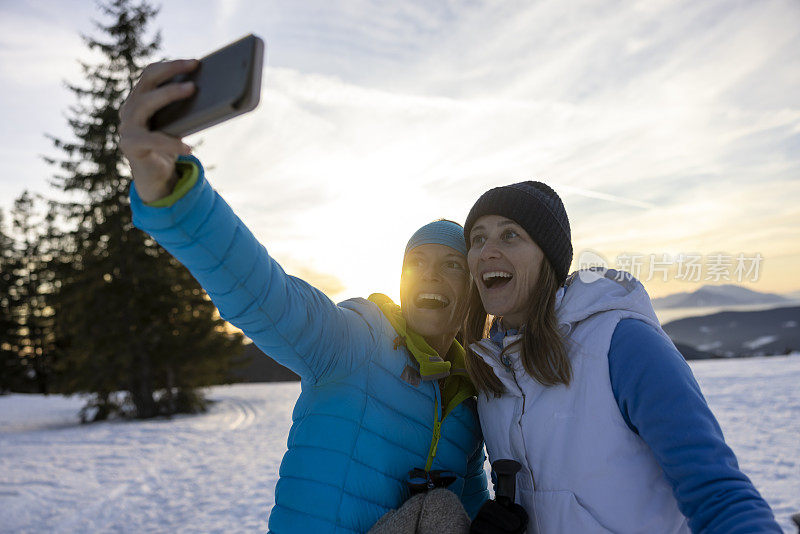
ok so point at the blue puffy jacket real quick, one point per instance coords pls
(360, 423)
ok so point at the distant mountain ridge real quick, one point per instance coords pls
(794, 295)
(738, 333)
(721, 295)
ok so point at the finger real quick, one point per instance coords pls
(147, 104)
(152, 76)
(140, 144)
(157, 73)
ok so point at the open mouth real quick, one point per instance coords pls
(431, 301)
(496, 279)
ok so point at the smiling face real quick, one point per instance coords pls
(433, 292)
(505, 263)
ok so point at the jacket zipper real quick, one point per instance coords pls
(510, 368)
(437, 426)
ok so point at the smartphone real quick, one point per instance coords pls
(227, 84)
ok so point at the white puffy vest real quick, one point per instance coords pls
(583, 469)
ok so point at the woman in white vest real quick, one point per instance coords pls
(581, 386)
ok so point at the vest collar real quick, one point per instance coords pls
(507, 365)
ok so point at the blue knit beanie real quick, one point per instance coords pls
(442, 232)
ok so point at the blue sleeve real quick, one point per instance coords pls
(475, 491)
(661, 401)
(288, 319)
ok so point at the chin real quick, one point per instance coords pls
(496, 309)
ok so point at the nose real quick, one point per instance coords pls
(489, 250)
(430, 272)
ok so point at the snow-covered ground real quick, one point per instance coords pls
(216, 472)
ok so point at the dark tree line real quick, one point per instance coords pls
(88, 303)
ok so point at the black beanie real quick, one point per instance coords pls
(536, 208)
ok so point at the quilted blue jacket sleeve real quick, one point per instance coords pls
(288, 319)
(660, 400)
(475, 492)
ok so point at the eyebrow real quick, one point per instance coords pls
(503, 222)
(448, 255)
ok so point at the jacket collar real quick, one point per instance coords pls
(458, 385)
(431, 365)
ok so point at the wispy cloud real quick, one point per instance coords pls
(603, 196)
(665, 125)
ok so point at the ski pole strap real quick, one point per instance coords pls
(422, 481)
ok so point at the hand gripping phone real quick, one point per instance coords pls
(227, 84)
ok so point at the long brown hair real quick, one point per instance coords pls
(543, 350)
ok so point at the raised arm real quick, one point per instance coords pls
(291, 321)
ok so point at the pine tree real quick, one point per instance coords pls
(129, 316)
(11, 366)
(33, 288)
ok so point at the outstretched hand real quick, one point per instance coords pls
(152, 154)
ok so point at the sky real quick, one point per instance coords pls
(671, 129)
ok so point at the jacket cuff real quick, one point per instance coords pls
(188, 172)
(150, 217)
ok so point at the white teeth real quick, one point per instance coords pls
(434, 296)
(496, 274)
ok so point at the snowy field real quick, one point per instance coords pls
(216, 472)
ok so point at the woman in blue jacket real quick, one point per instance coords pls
(384, 389)
(580, 385)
